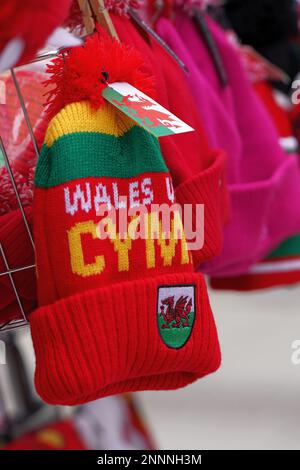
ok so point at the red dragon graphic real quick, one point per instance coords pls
(135, 108)
(175, 316)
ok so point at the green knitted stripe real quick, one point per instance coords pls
(88, 154)
(290, 247)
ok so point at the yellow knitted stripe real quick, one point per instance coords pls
(80, 117)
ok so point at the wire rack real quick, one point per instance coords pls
(11, 271)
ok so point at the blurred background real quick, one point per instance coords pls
(252, 401)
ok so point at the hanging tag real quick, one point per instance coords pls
(144, 110)
(201, 24)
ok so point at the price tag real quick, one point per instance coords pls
(146, 112)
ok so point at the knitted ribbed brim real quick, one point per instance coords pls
(106, 341)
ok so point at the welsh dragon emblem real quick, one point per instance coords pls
(176, 315)
(176, 312)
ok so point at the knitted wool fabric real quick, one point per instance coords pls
(259, 191)
(197, 169)
(117, 313)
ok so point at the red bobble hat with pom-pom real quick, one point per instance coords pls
(117, 312)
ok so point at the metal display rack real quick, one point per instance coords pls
(10, 271)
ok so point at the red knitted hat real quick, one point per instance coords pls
(117, 312)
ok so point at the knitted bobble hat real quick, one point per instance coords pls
(117, 312)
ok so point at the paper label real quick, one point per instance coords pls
(144, 110)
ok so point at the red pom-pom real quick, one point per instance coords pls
(83, 72)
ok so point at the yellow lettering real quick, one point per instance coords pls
(178, 230)
(167, 248)
(122, 247)
(77, 259)
(153, 229)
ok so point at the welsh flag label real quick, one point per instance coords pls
(146, 112)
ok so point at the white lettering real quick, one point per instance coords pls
(79, 195)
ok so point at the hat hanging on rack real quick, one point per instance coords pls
(94, 291)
